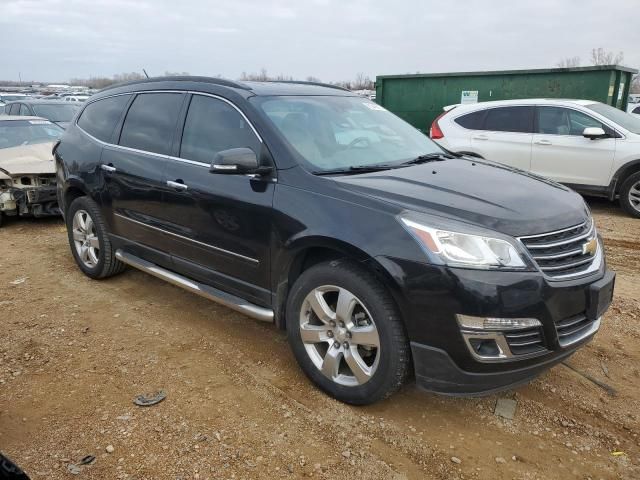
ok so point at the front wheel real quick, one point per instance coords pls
(630, 195)
(345, 331)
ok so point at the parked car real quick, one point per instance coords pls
(634, 108)
(27, 170)
(76, 98)
(58, 112)
(592, 147)
(317, 209)
(12, 97)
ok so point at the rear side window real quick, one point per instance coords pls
(151, 122)
(636, 110)
(509, 119)
(24, 110)
(100, 118)
(213, 125)
(472, 121)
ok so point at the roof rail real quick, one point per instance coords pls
(302, 82)
(212, 80)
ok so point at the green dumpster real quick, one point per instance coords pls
(419, 98)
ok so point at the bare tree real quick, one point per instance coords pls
(601, 57)
(362, 82)
(569, 62)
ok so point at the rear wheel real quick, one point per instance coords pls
(346, 333)
(630, 195)
(90, 244)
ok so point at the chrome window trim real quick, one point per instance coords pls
(160, 155)
(228, 252)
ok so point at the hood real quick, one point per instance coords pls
(475, 192)
(27, 159)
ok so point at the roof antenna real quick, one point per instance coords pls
(145, 73)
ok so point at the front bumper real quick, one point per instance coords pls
(33, 201)
(430, 297)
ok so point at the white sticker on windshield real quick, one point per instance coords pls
(39, 122)
(373, 106)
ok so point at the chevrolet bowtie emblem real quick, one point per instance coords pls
(590, 247)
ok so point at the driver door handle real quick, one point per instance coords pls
(108, 168)
(480, 137)
(178, 185)
(542, 142)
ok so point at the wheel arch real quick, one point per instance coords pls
(311, 251)
(621, 175)
(74, 189)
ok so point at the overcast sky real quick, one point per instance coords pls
(55, 40)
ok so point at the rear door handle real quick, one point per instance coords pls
(480, 137)
(178, 185)
(542, 142)
(108, 168)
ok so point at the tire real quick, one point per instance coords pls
(357, 372)
(630, 195)
(88, 239)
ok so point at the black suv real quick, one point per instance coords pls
(311, 207)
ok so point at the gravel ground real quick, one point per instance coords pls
(74, 353)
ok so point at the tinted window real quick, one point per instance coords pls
(24, 110)
(636, 110)
(151, 121)
(211, 126)
(14, 108)
(100, 118)
(472, 121)
(564, 121)
(509, 119)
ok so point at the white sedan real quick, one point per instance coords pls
(590, 146)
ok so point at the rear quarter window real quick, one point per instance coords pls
(472, 121)
(99, 118)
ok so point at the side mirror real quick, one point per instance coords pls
(237, 161)
(592, 133)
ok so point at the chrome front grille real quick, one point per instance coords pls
(564, 253)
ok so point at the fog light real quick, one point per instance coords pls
(496, 324)
(485, 348)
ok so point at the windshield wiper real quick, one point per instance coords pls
(357, 169)
(429, 157)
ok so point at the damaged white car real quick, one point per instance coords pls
(27, 169)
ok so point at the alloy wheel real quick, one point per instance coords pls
(634, 196)
(339, 335)
(85, 239)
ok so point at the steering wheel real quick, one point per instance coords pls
(358, 140)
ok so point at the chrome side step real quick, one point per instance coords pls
(228, 300)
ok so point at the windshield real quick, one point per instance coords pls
(27, 132)
(333, 133)
(624, 119)
(56, 113)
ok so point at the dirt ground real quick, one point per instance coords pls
(74, 353)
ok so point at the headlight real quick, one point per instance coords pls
(464, 249)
